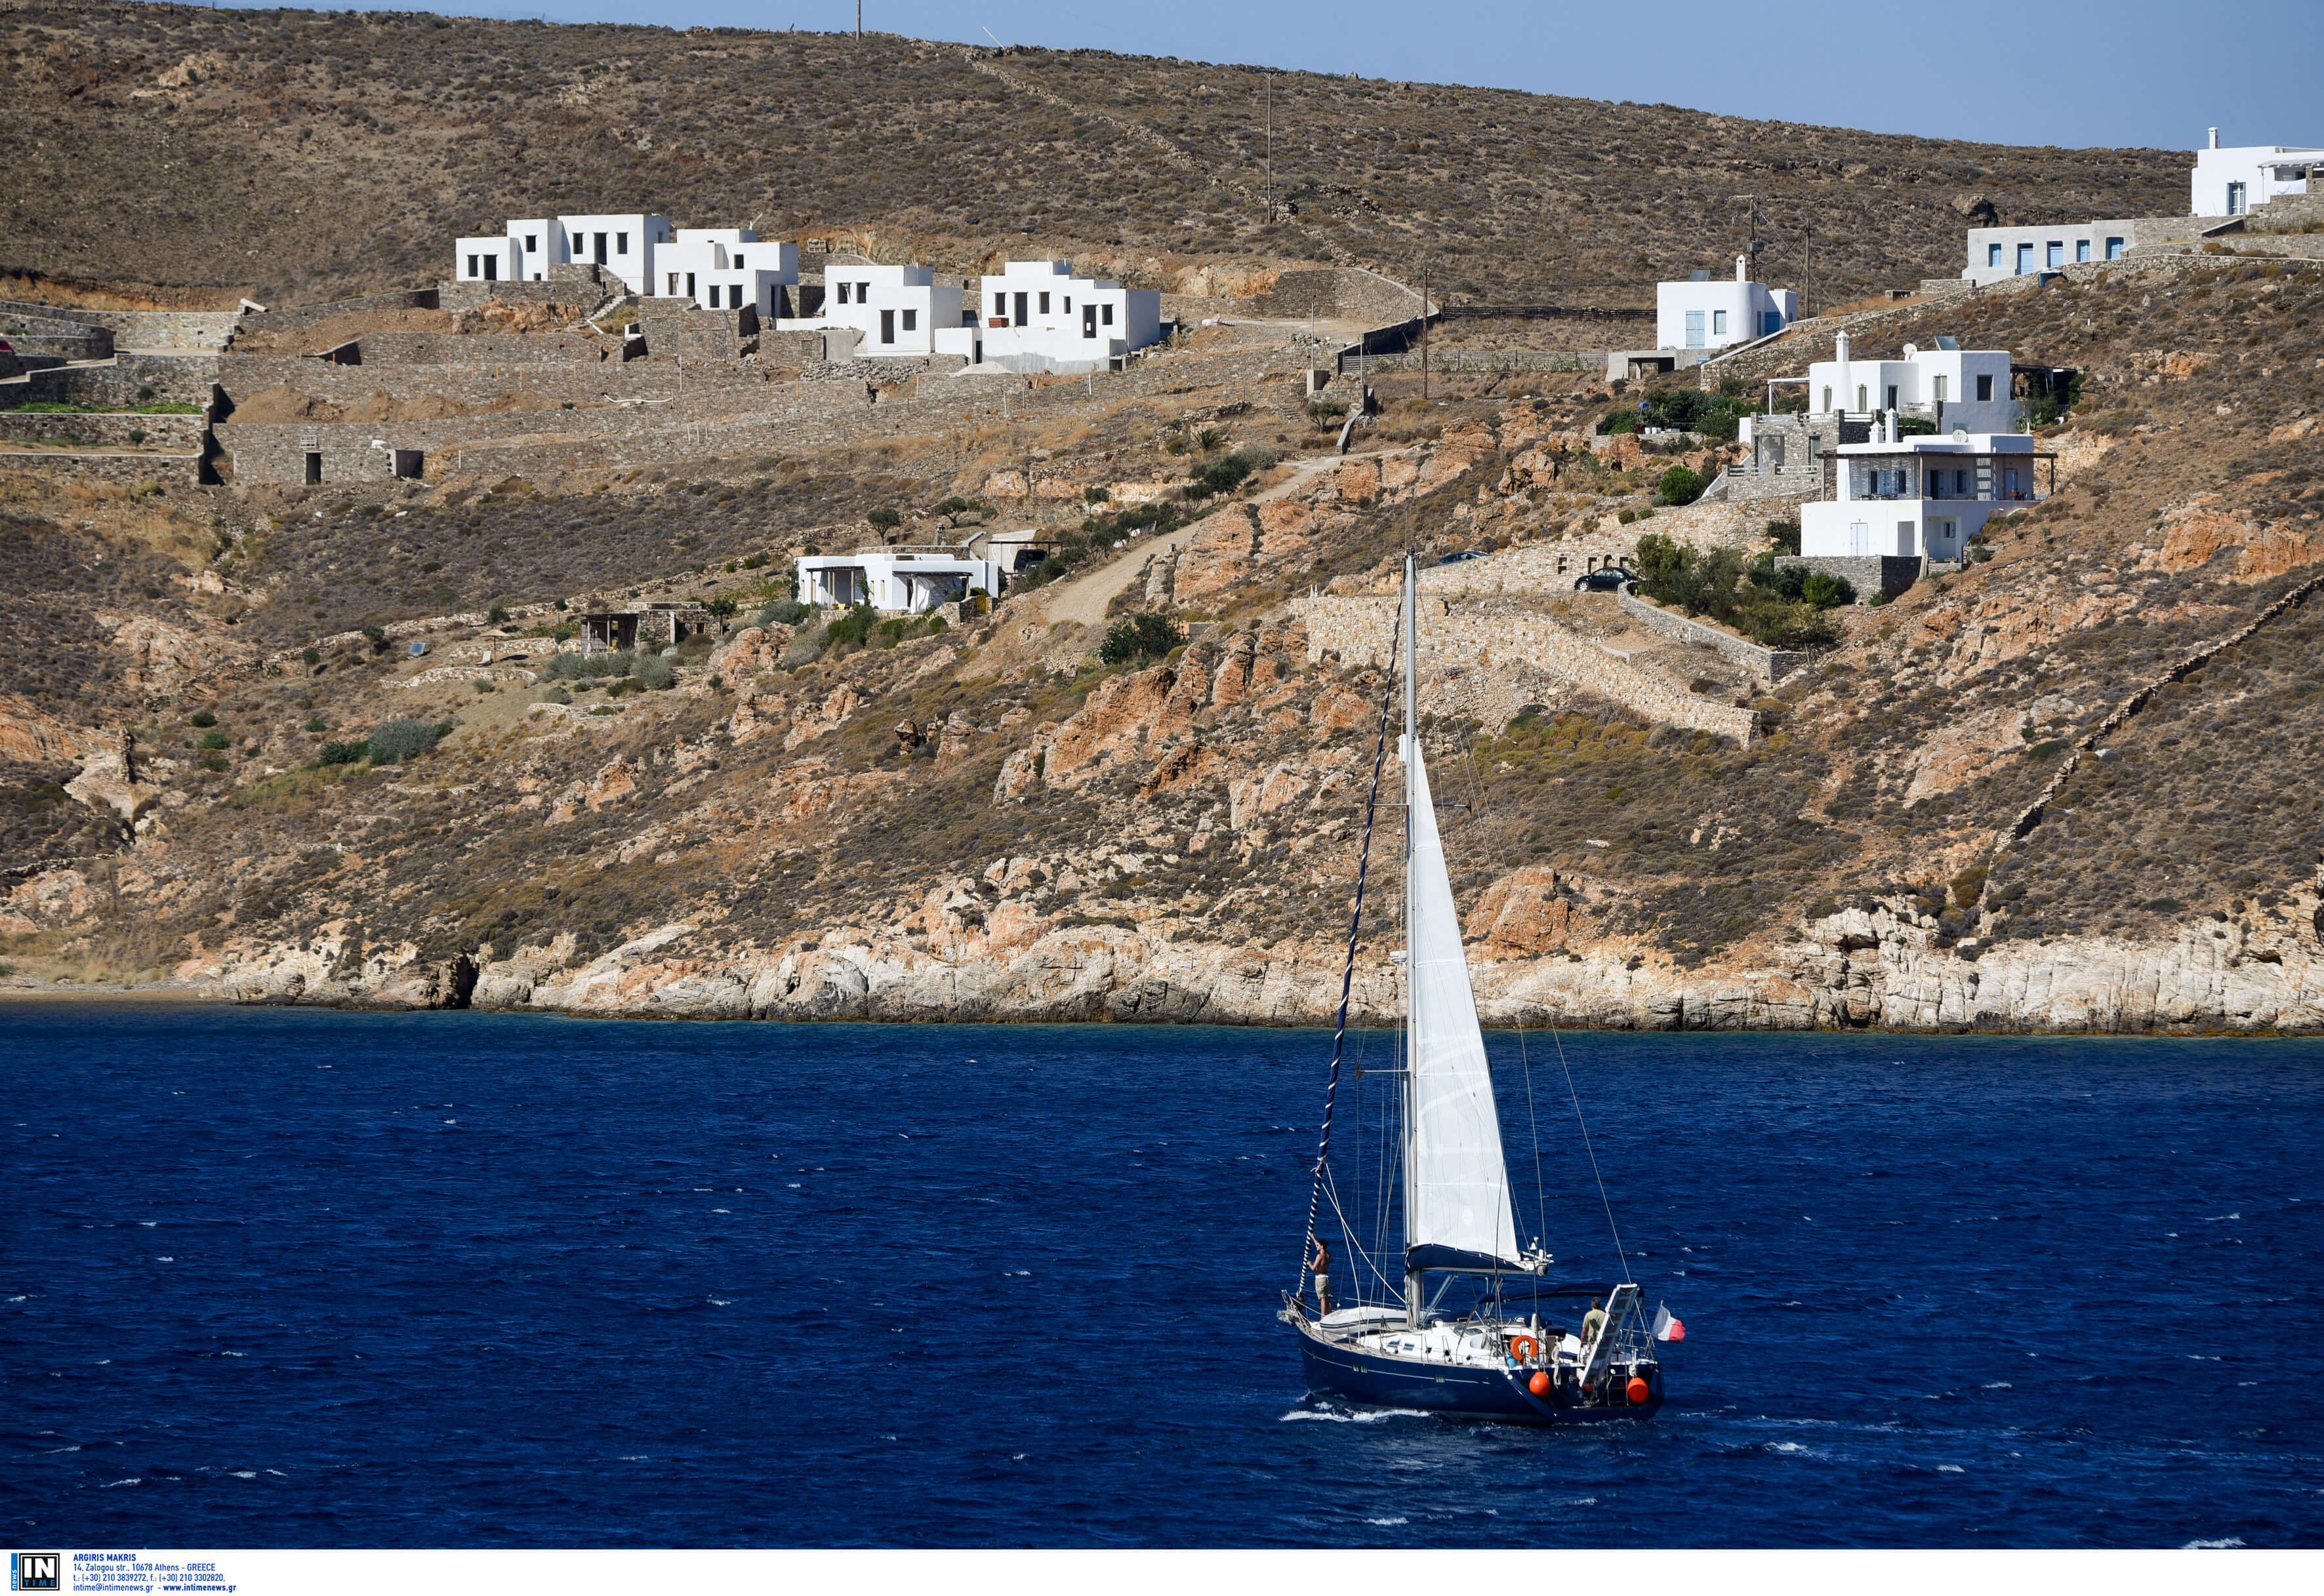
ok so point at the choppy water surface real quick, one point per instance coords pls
(279, 1278)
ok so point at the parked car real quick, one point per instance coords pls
(1604, 579)
(1465, 554)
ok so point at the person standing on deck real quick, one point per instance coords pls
(1592, 1322)
(1320, 1266)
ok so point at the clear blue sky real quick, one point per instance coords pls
(2070, 72)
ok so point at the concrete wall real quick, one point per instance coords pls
(1357, 630)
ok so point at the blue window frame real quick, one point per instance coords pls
(2114, 249)
(2024, 259)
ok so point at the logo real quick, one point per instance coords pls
(35, 1571)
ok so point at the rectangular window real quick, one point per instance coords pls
(1993, 254)
(314, 467)
(601, 249)
(2082, 249)
(1021, 309)
(1961, 484)
(673, 285)
(714, 296)
(843, 293)
(2236, 192)
(2054, 255)
(863, 293)
(1105, 314)
(621, 244)
(1045, 304)
(1694, 329)
(689, 285)
(1937, 389)
(1069, 304)
(911, 321)
(1770, 322)
(2024, 259)
(532, 241)
(2114, 249)
(492, 268)
(1718, 322)
(473, 269)
(887, 326)
(738, 264)
(1892, 398)
(1985, 389)
(1089, 321)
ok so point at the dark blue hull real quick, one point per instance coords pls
(1366, 1379)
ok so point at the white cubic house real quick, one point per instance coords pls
(1949, 386)
(901, 581)
(1040, 317)
(724, 269)
(1704, 313)
(1923, 496)
(2230, 182)
(524, 250)
(899, 310)
(2222, 184)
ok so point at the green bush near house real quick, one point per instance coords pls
(1679, 485)
(885, 518)
(782, 611)
(655, 671)
(394, 742)
(854, 627)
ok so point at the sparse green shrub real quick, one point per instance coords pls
(582, 667)
(751, 562)
(721, 606)
(343, 754)
(1096, 495)
(1679, 485)
(557, 696)
(852, 627)
(315, 723)
(656, 672)
(1142, 636)
(377, 635)
(1785, 536)
(213, 740)
(394, 742)
(201, 717)
(497, 616)
(884, 517)
(782, 611)
(312, 656)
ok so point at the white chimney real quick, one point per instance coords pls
(1840, 355)
(1892, 428)
(1742, 268)
(2214, 138)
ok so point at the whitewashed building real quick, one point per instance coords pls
(2230, 182)
(725, 269)
(1949, 386)
(1924, 496)
(898, 310)
(1705, 313)
(524, 250)
(1040, 317)
(897, 581)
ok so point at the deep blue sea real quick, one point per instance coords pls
(299, 1278)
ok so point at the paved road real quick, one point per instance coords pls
(1083, 599)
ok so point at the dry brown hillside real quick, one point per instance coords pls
(303, 154)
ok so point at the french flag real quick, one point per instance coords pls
(1666, 1325)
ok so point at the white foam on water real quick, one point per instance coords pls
(278, 1474)
(1998, 1385)
(117, 1483)
(720, 1302)
(1786, 1446)
(165, 1260)
(54, 1450)
(18, 1299)
(1369, 1416)
(2228, 1544)
(722, 1211)
(244, 1473)
(635, 1457)
(1385, 1522)
(226, 1354)
(1951, 1469)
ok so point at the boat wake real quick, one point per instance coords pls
(1349, 1416)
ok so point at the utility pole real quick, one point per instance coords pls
(859, 22)
(1270, 143)
(1423, 332)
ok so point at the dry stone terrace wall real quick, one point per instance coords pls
(177, 433)
(137, 329)
(1767, 664)
(1358, 629)
(291, 318)
(130, 469)
(1349, 293)
(422, 348)
(173, 379)
(468, 382)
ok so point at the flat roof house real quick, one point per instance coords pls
(2230, 182)
(725, 269)
(907, 580)
(1949, 386)
(1924, 496)
(1706, 313)
(525, 249)
(1038, 317)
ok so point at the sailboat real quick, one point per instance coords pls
(1475, 1328)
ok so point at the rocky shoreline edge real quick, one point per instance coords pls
(1884, 969)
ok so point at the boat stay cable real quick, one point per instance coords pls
(1348, 973)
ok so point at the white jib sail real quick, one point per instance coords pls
(1459, 1190)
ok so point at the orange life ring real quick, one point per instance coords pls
(1523, 1348)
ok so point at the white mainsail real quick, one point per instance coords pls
(1457, 1185)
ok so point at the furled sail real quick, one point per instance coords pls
(1457, 1190)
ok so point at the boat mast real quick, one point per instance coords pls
(1412, 1298)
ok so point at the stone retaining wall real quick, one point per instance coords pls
(1358, 629)
(1347, 294)
(138, 329)
(1769, 665)
(174, 433)
(1489, 362)
(1867, 573)
(291, 318)
(425, 349)
(128, 468)
(566, 284)
(190, 378)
